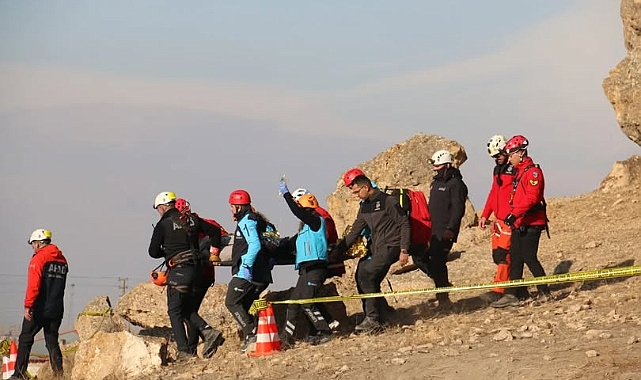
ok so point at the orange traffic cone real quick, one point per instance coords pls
(267, 340)
(9, 364)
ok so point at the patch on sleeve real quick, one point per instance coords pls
(535, 174)
(533, 182)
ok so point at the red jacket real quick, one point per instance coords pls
(498, 200)
(330, 226)
(528, 194)
(46, 282)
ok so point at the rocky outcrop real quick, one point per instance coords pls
(403, 165)
(98, 316)
(622, 86)
(146, 306)
(623, 173)
(119, 355)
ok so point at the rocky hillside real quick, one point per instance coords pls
(591, 330)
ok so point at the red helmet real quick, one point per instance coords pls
(349, 176)
(239, 197)
(182, 205)
(515, 144)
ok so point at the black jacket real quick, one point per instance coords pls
(448, 193)
(172, 235)
(249, 231)
(388, 223)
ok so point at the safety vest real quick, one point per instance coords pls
(311, 245)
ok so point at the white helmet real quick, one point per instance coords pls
(496, 145)
(441, 157)
(164, 198)
(39, 235)
(299, 193)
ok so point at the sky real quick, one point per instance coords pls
(105, 104)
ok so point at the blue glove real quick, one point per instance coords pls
(282, 186)
(244, 272)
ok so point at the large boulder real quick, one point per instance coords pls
(98, 315)
(622, 85)
(146, 306)
(119, 355)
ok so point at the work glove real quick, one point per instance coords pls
(282, 187)
(214, 255)
(509, 220)
(448, 235)
(244, 272)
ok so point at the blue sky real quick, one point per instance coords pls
(104, 104)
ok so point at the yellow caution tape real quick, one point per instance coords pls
(96, 313)
(258, 305)
(600, 274)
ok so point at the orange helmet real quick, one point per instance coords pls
(350, 175)
(308, 200)
(159, 277)
(239, 197)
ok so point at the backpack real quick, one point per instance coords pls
(414, 203)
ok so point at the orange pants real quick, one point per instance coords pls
(501, 235)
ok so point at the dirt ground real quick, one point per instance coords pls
(591, 330)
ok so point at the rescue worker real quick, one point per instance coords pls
(448, 193)
(335, 265)
(385, 309)
(498, 203)
(44, 302)
(527, 218)
(390, 235)
(311, 263)
(251, 267)
(208, 275)
(175, 239)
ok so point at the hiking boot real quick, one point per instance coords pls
(183, 356)
(249, 340)
(369, 325)
(212, 339)
(323, 337)
(505, 301)
(491, 296)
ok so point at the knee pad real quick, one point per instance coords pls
(499, 255)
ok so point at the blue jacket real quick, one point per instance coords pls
(247, 249)
(311, 245)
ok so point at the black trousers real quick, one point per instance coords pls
(240, 296)
(524, 249)
(434, 263)
(193, 332)
(25, 343)
(182, 308)
(307, 286)
(370, 272)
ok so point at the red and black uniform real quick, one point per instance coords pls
(528, 209)
(175, 238)
(46, 283)
(498, 203)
